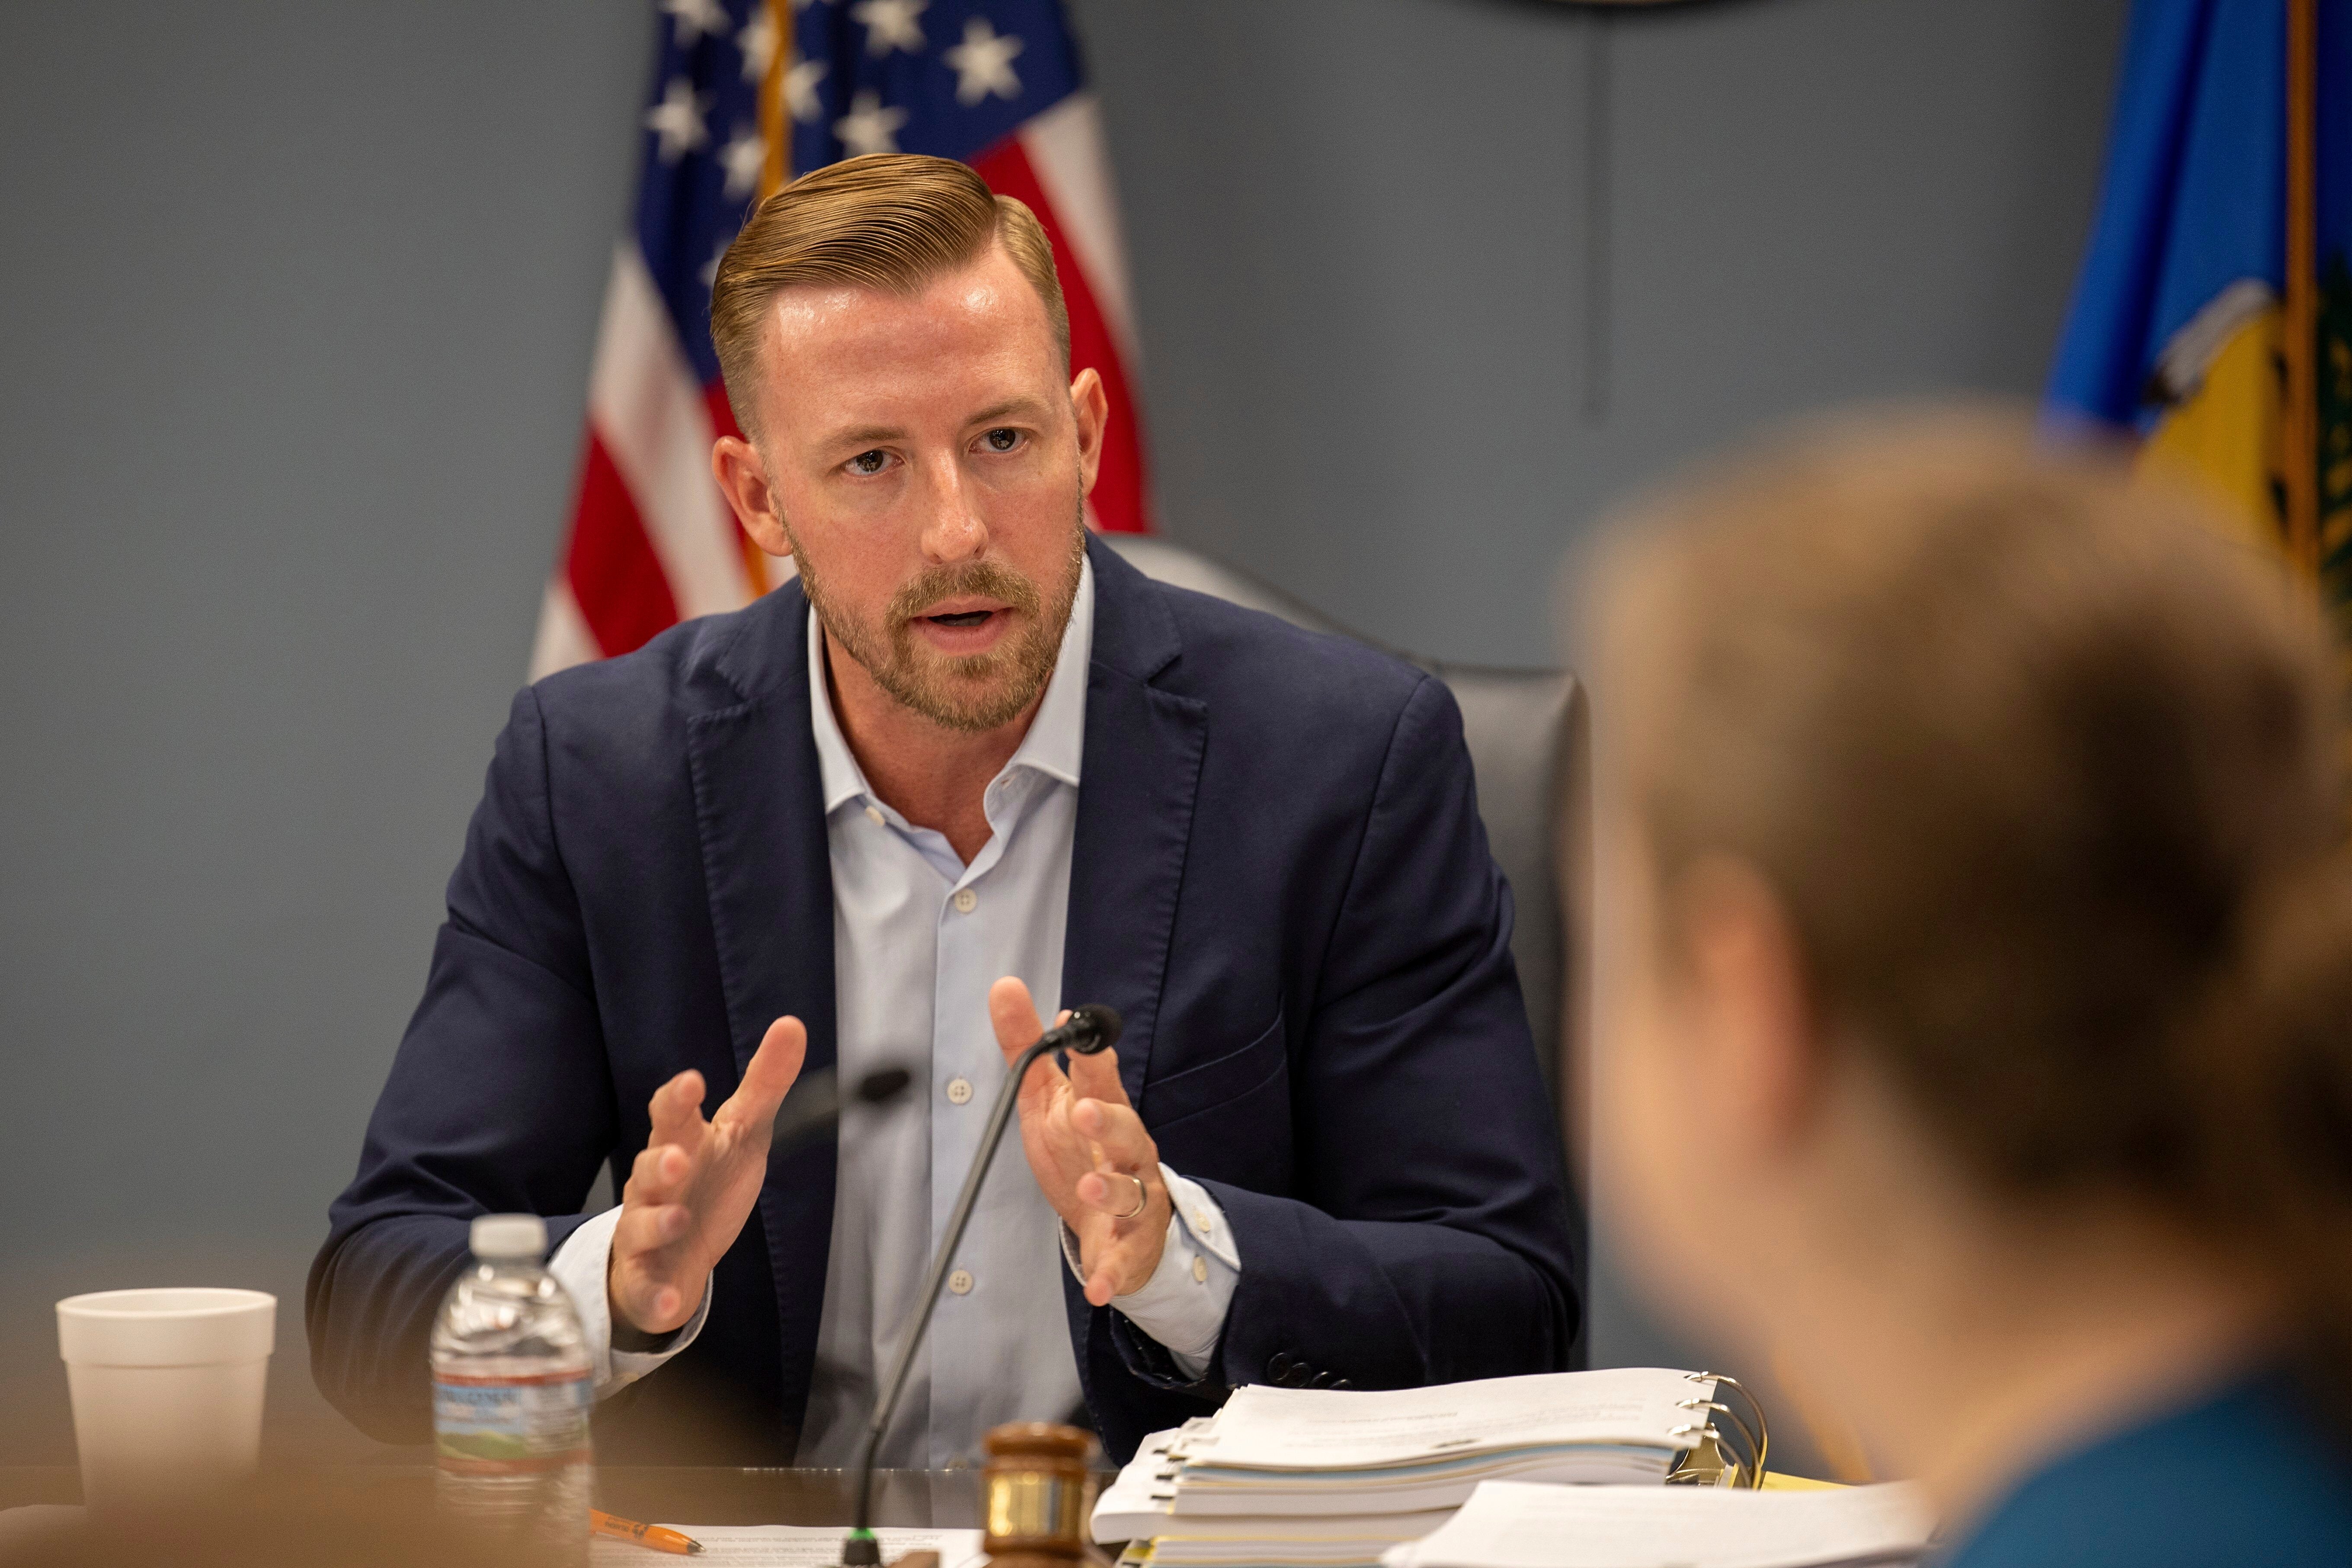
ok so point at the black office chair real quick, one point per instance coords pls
(1528, 736)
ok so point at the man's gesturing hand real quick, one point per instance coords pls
(1088, 1150)
(694, 1185)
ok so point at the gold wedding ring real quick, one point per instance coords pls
(1142, 1196)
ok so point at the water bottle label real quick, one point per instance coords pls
(506, 1425)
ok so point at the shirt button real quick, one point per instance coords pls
(959, 1092)
(1202, 1220)
(1201, 1270)
(965, 900)
(874, 815)
(960, 1282)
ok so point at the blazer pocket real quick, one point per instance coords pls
(1216, 1080)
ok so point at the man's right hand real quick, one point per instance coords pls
(691, 1190)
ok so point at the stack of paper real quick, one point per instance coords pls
(1283, 1478)
(1511, 1525)
(1140, 1506)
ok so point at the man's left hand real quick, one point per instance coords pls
(1089, 1151)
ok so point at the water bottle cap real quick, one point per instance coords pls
(508, 1236)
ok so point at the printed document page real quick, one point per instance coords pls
(1509, 1525)
(787, 1546)
(1264, 1426)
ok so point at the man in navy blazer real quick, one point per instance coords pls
(1326, 1097)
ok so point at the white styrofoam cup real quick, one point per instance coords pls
(167, 1388)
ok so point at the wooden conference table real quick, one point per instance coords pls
(939, 1498)
(374, 1499)
(946, 1498)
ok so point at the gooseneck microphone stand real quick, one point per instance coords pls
(1089, 1029)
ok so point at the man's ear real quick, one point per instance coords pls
(743, 480)
(1091, 405)
(1762, 1067)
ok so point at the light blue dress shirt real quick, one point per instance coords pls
(918, 937)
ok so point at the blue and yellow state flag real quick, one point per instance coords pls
(2178, 331)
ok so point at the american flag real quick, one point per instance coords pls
(746, 94)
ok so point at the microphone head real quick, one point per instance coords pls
(1092, 1028)
(883, 1084)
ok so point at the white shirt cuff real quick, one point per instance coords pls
(1183, 1304)
(580, 1266)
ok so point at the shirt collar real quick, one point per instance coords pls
(1055, 745)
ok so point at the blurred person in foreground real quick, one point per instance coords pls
(1982, 1017)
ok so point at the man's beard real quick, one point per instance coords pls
(976, 693)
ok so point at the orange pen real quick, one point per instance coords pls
(653, 1535)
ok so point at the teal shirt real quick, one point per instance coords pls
(2247, 1476)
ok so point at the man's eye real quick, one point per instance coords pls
(1001, 440)
(868, 462)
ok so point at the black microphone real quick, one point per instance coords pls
(812, 1110)
(1090, 1029)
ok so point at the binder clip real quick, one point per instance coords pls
(1711, 1460)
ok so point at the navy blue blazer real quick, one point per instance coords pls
(1279, 878)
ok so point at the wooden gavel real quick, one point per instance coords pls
(1036, 1496)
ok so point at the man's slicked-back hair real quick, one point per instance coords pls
(891, 221)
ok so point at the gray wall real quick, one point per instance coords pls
(299, 301)
(1361, 256)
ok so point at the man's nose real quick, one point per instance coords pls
(952, 529)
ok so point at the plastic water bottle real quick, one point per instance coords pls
(511, 1396)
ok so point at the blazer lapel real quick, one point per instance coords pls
(759, 808)
(1142, 767)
